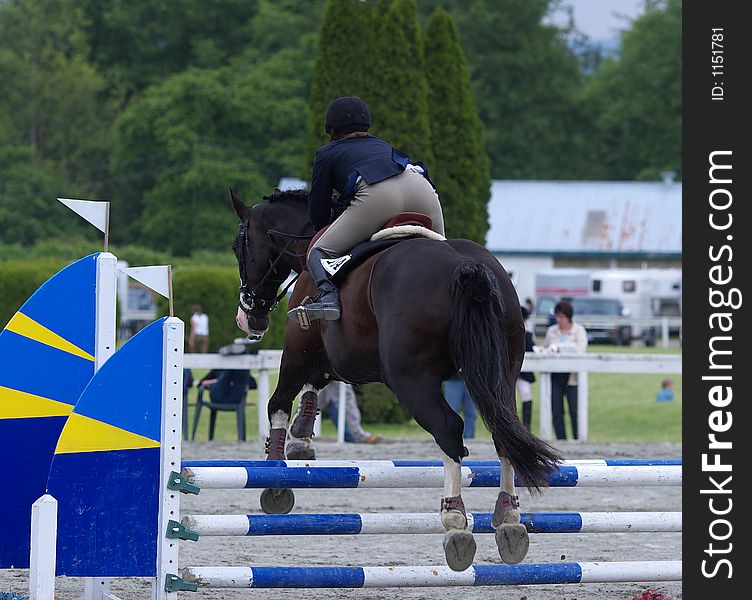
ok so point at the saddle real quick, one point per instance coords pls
(404, 226)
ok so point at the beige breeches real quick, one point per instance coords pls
(373, 205)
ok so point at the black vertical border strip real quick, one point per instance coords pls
(715, 125)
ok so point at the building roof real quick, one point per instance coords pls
(586, 218)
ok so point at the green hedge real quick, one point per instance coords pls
(378, 404)
(216, 289)
(19, 280)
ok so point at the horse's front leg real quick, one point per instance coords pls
(300, 446)
(511, 536)
(459, 544)
(291, 381)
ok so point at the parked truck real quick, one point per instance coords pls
(552, 285)
(645, 293)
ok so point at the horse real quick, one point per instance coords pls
(413, 315)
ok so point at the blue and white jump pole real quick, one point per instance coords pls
(425, 576)
(404, 474)
(426, 523)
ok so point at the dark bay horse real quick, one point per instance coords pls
(413, 315)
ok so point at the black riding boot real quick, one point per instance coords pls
(328, 305)
(527, 413)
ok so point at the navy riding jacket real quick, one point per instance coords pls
(338, 165)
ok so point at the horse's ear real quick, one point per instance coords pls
(240, 208)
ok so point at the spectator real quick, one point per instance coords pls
(198, 340)
(529, 306)
(458, 397)
(354, 433)
(666, 394)
(529, 315)
(228, 386)
(564, 336)
(525, 379)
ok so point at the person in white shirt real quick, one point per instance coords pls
(198, 340)
(565, 336)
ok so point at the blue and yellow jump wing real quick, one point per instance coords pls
(108, 460)
(46, 360)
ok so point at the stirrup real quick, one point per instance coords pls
(319, 310)
(300, 316)
(305, 313)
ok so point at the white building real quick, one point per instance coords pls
(540, 225)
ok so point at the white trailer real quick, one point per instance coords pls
(551, 285)
(566, 282)
(646, 293)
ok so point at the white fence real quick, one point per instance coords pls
(542, 364)
(582, 364)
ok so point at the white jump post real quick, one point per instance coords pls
(99, 588)
(170, 451)
(43, 548)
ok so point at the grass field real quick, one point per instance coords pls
(622, 409)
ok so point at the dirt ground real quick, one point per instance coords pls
(375, 550)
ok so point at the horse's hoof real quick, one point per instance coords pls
(300, 451)
(277, 501)
(513, 542)
(459, 549)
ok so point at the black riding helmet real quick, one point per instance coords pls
(347, 114)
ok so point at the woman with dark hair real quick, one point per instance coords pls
(565, 336)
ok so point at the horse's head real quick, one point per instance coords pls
(262, 264)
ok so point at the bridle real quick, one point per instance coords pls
(253, 300)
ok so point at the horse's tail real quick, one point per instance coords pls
(480, 349)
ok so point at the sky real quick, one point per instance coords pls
(600, 20)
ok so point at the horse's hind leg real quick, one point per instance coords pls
(511, 536)
(459, 544)
(423, 398)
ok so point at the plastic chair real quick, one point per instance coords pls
(237, 402)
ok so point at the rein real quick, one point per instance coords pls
(293, 238)
(249, 300)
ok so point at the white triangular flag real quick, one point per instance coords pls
(156, 278)
(95, 212)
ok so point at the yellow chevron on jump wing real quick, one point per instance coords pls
(15, 404)
(84, 434)
(27, 327)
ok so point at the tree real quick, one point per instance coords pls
(636, 98)
(29, 210)
(53, 100)
(526, 81)
(460, 168)
(342, 67)
(399, 96)
(137, 44)
(184, 142)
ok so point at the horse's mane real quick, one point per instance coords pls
(298, 195)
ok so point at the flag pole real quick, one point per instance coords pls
(169, 286)
(107, 228)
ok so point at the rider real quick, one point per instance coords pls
(375, 182)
